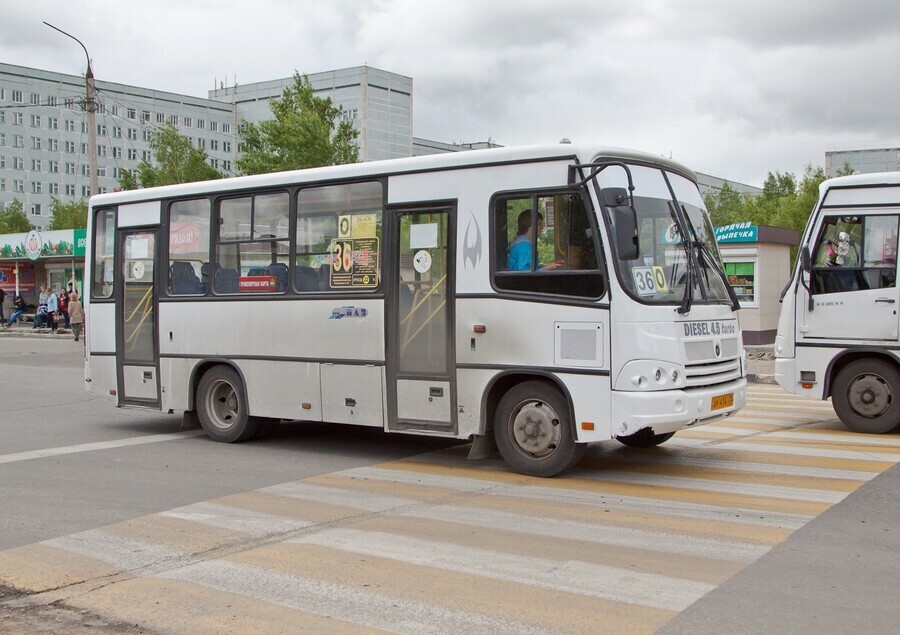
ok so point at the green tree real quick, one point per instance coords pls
(303, 134)
(177, 161)
(728, 206)
(68, 215)
(13, 219)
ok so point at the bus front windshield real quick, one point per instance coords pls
(678, 261)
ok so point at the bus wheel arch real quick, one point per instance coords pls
(865, 392)
(533, 424)
(222, 405)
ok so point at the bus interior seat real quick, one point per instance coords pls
(280, 272)
(183, 279)
(257, 271)
(226, 281)
(324, 281)
(306, 279)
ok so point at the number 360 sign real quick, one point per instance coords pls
(649, 280)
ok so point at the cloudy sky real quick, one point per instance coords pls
(731, 88)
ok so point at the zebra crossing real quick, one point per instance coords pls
(435, 543)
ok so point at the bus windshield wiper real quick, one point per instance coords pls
(706, 254)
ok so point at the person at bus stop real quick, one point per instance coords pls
(2, 300)
(520, 249)
(64, 305)
(52, 309)
(40, 314)
(76, 314)
(19, 307)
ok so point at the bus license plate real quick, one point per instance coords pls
(723, 401)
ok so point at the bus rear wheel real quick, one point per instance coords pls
(645, 438)
(534, 432)
(222, 406)
(866, 396)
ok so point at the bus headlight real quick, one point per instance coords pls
(650, 374)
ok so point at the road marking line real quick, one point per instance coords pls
(99, 445)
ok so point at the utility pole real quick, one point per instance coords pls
(90, 107)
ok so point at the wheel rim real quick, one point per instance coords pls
(536, 429)
(223, 404)
(870, 396)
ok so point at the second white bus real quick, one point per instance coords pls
(542, 297)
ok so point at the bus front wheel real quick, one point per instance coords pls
(222, 406)
(533, 430)
(866, 396)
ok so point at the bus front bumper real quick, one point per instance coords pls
(671, 410)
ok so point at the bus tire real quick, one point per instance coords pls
(645, 438)
(866, 396)
(534, 432)
(222, 406)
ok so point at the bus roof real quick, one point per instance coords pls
(433, 162)
(859, 180)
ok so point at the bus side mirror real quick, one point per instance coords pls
(805, 259)
(614, 196)
(626, 233)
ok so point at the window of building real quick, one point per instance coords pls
(2, 161)
(201, 143)
(160, 118)
(54, 167)
(2, 138)
(131, 113)
(101, 151)
(101, 170)
(103, 271)
(214, 126)
(53, 123)
(18, 141)
(2, 185)
(544, 243)
(174, 120)
(18, 119)
(36, 165)
(53, 188)
(35, 121)
(2, 116)
(101, 130)
(53, 145)
(70, 168)
(145, 116)
(742, 278)
(188, 122)
(36, 187)
(214, 144)
(35, 143)
(226, 146)
(116, 152)
(35, 99)
(114, 110)
(201, 123)
(85, 169)
(146, 135)
(226, 128)
(117, 132)
(132, 134)
(70, 125)
(132, 154)
(17, 96)
(18, 163)
(70, 189)
(84, 148)
(85, 191)
(70, 147)
(84, 129)
(37, 209)
(146, 155)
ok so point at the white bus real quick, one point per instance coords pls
(837, 334)
(408, 295)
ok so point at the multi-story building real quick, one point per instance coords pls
(863, 160)
(44, 136)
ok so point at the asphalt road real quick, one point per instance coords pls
(134, 470)
(86, 477)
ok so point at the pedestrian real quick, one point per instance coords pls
(64, 305)
(40, 315)
(76, 314)
(19, 307)
(2, 300)
(52, 309)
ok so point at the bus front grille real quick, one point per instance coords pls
(712, 373)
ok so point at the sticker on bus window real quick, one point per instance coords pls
(649, 280)
(354, 263)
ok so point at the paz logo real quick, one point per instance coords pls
(33, 245)
(341, 312)
(472, 244)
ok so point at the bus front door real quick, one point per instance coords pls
(136, 338)
(421, 387)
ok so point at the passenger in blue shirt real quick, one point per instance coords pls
(520, 249)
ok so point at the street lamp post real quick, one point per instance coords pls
(90, 107)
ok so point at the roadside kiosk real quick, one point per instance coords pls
(758, 264)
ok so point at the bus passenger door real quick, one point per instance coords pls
(136, 337)
(420, 292)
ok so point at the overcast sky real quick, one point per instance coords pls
(731, 88)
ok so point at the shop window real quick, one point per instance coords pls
(742, 278)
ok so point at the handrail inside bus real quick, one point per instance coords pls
(147, 304)
(415, 308)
